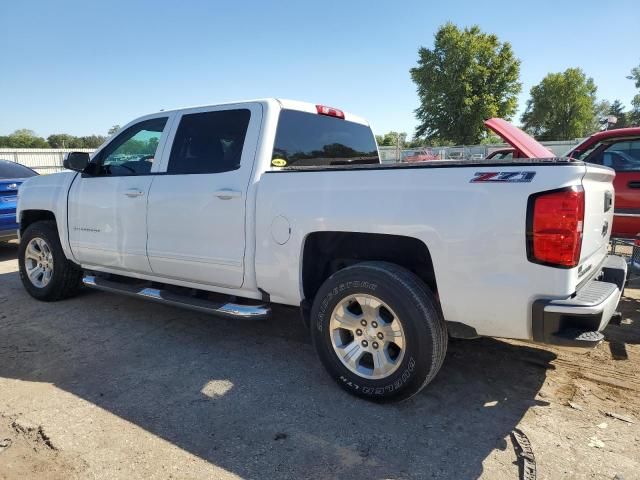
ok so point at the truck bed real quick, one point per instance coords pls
(515, 162)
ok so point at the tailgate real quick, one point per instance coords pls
(598, 216)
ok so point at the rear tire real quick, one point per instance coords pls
(45, 271)
(378, 331)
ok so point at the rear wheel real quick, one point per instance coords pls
(378, 331)
(44, 269)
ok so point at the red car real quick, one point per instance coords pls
(618, 149)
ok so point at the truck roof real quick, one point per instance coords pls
(283, 103)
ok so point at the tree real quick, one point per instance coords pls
(617, 110)
(60, 140)
(113, 130)
(634, 114)
(92, 141)
(390, 139)
(23, 138)
(600, 115)
(562, 106)
(467, 77)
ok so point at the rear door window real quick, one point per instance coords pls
(209, 142)
(308, 139)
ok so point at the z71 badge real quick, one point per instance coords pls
(503, 177)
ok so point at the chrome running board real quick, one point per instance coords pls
(221, 309)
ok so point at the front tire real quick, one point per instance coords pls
(45, 271)
(378, 331)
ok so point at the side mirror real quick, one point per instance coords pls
(76, 161)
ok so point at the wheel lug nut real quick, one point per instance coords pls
(380, 336)
(358, 332)
(365, 343)
(375, 344)
(363, 323)
(374, 324)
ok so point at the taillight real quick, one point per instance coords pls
(330, 111)
(555, 221)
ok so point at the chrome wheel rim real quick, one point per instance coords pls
(367, 336)
(38, 262)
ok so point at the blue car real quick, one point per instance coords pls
(11, 176)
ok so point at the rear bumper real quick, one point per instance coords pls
(578, 320)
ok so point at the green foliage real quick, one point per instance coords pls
(491, 139)
(92, 141)
(600, 113)
(617, 110)
(138, 147)
(391, 139)
(562, 106)
(113, 130)
(61, 140)
(23, 138)
(467, 77)
(634, 114)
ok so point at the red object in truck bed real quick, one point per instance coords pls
(618, 149)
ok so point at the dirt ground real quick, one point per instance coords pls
(103, 386)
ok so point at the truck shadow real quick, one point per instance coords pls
(8, 251)
(251, 397)
(618, 336)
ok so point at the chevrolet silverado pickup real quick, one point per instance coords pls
(230, 208)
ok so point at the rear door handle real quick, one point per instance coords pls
(633, 184)
(134, 192)
(227, 194)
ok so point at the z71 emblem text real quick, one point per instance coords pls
(503, 177)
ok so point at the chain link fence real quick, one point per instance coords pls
(461, 152)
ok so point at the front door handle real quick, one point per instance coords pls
(633, 184)
(227, 194)
(134, 192)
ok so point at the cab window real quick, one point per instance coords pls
(133, 151)
(307, 139)
(209, 142)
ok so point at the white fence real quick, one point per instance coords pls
(42, 160)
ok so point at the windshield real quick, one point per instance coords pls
(10, 169)
(309, 139)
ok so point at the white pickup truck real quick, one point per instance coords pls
(229, 208)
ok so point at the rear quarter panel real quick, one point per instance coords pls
(475, 233)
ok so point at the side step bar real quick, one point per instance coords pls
(226, 310)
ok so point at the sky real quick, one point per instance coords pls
(79, 67)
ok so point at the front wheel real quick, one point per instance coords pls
(378, 331)
(44, 269)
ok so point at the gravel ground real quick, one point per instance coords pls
(104, 386)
